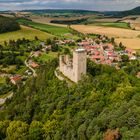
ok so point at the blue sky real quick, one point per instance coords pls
(100, 5)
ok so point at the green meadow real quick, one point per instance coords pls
(2, 80)
(55, 30)
(25, 32)
(113, 24)
(48, 57)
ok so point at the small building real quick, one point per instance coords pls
(34, 65)
(48, 48)
(16, 79)
(133, 57)
(130, 51)
(37, 53)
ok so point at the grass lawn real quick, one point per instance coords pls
(55, 30)
(9, 69)
(2, 80)
(25, 32)
(113, 24)
(46, 57)
(22, 70)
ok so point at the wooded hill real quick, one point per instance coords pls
(61, 11)
(8, 24)
(104, 104)
(135, 11)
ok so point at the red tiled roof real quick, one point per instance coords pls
(96, 52)
(85, 43)
(16, 78)
(98, 57)
(34, 65)
(108, 61)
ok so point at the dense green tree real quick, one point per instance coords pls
(47, 108)
(36, 131)
(8, 24)
(17, 130)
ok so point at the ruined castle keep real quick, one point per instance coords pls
(76, 67)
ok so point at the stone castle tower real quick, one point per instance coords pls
(76, 67)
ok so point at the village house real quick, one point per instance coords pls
(48, 48)
(33, 64)
(130, 52)
(16, 79)
(37, 53)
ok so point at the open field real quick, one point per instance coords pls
(47, 20)
(2, 80)
(107, 19)
(46, 57)
(110, 31)
(56, 30)
(135, 23)
(113, 24)
(133, 43)
(25, 32)
(128, 37)
(8, 69)
(7, 15)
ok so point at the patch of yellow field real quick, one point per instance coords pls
(133, 43)
(128, 37)
(110, 31)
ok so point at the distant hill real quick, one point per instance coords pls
(76, 13)
(61, 12)
(135, 11)
(8, 24)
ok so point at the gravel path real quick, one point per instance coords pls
(27, 65)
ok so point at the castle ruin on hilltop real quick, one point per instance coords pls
(76, 67)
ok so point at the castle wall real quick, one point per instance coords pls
(75, 70)
(79, 64)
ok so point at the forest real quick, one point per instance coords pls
(69, 22)
(103, 104)
(8, 25)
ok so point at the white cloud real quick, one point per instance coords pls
(76, 4)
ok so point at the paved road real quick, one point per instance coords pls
(3, 100)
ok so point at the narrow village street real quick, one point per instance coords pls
(27, 65)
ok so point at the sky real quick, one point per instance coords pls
(95, 5)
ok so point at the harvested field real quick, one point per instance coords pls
(123, 25)
(133, 43)
(110, 31)
(107, 20)
(128, 37)
(7, 15)
(45, 20)
(134, 21)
